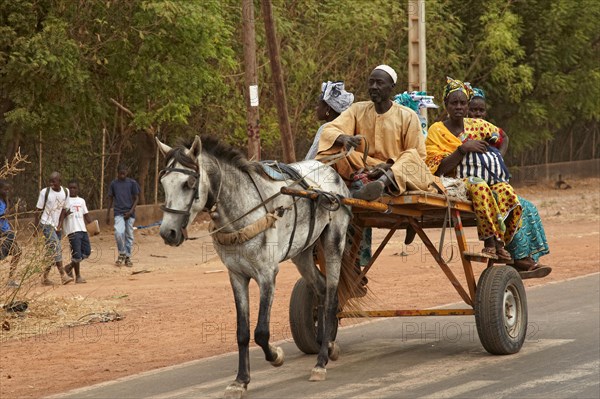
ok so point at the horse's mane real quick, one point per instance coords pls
(215, 147)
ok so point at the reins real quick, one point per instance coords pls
(327, 161)
(330, 161)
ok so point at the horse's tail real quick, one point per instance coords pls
(352, 290)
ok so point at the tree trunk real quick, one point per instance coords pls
(251, 80)
(147, 148)
(287, 138)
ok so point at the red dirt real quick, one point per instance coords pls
(183, 310)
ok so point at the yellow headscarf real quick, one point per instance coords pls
(457, 85)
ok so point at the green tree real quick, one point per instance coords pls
(41, 73)
(67, 66)
(70, 69)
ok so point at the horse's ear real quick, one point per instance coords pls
(164, 149)
(196, 148)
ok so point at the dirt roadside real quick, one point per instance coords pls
(183, 309)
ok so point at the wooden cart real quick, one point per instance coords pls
(497, 300)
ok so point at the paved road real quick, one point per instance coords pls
(414, 358)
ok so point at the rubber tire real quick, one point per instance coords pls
(495, 336)
(303, 318)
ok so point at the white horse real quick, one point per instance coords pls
(254, 229)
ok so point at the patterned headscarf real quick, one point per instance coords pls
(336, 96)
(456, 85)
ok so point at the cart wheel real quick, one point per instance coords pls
(303, 318)
(501, 310)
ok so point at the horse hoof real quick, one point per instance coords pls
(318, 374)
(279, 359)
(235, 391)
(333, 351)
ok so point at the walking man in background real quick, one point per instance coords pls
(51, 201)
(124, 194)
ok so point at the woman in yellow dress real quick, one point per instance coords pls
(496, 206)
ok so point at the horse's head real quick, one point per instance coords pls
(186, 189)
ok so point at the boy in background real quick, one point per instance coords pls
(73, 221)
(51, 201)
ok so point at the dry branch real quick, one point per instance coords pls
(122, 107)
(14, 166)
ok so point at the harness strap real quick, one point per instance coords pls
(176, 211)
(311, 224)
(447, 222)
(261, 195)
(179, 170)
(246, 233)
(291, 240)
(260, 192)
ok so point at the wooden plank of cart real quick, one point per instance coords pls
(497, 299)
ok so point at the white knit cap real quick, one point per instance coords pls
(389, 70)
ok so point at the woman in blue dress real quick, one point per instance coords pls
(529, 242)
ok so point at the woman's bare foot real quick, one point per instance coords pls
(489, 251)
(502, 253)
(489, 247)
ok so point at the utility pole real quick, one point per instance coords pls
(287, 139)
(102, 167)
(41, 178)
(251, 80)
(417, 61)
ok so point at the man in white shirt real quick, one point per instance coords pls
(51, 201)
(73, 221)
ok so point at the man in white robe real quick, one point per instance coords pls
(395, 144)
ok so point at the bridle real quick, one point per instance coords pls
(187, 212)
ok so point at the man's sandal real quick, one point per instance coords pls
(370, 191)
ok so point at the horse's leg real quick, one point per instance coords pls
(333, 239)
(306, 266)
(333, 349)
(305, 263)
(262, 334)
(240, 292)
